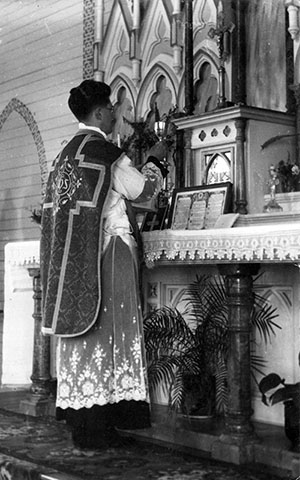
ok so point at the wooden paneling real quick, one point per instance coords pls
(41, 54)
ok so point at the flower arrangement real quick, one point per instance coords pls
(144, 137)
(288, 175)
(141, 139)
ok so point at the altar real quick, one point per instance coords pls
(265, 244)
(18, 328)
(234, 145)
(268, 245)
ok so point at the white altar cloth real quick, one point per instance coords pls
(18, 327)
(271, 243)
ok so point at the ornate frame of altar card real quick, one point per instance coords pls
(199, 207)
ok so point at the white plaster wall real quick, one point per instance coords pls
(280, 285)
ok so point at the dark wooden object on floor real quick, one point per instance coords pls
(39, 402)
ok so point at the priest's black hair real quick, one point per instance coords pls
(88, 95)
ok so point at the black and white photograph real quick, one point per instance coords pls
(149, 239)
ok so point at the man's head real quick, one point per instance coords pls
(90, 103)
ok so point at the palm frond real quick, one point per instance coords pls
(258, 363)
(192, 362)
(262, 317)
(161, 372)
(206, 298)
(166, 330)
(221, 388)
(177, 393)
(276, 138)
(176, 348)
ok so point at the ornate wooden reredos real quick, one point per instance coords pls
(139, 51)
(199, 55)
(132, 42)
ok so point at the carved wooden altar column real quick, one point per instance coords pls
(240, 180)
(239, 54)
(187, 167)
(40, 402)
(239, 286)
(180, 175)
(189, 57)
(296, 90)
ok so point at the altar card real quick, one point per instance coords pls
(198, 208)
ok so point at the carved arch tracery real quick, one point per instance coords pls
(148, 88)
(116, 46)
(206, 85)
(157, 27)
(16, 105)
(124, 104)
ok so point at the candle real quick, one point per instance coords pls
(136, 15)
(119, 140)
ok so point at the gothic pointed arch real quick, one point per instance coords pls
(204, 17)
(119, 81)
(157, 77)
(206, 86)
(116, 46)
(16, 105)
(155, 35)
(218, 169)
(202, 57)
(205, 89)
(124, 107)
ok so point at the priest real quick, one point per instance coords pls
(89, 271)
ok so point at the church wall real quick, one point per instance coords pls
(40, 60)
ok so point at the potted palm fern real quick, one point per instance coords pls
(187, 351)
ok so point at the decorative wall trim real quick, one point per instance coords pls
(88, 38)
(16, 105)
